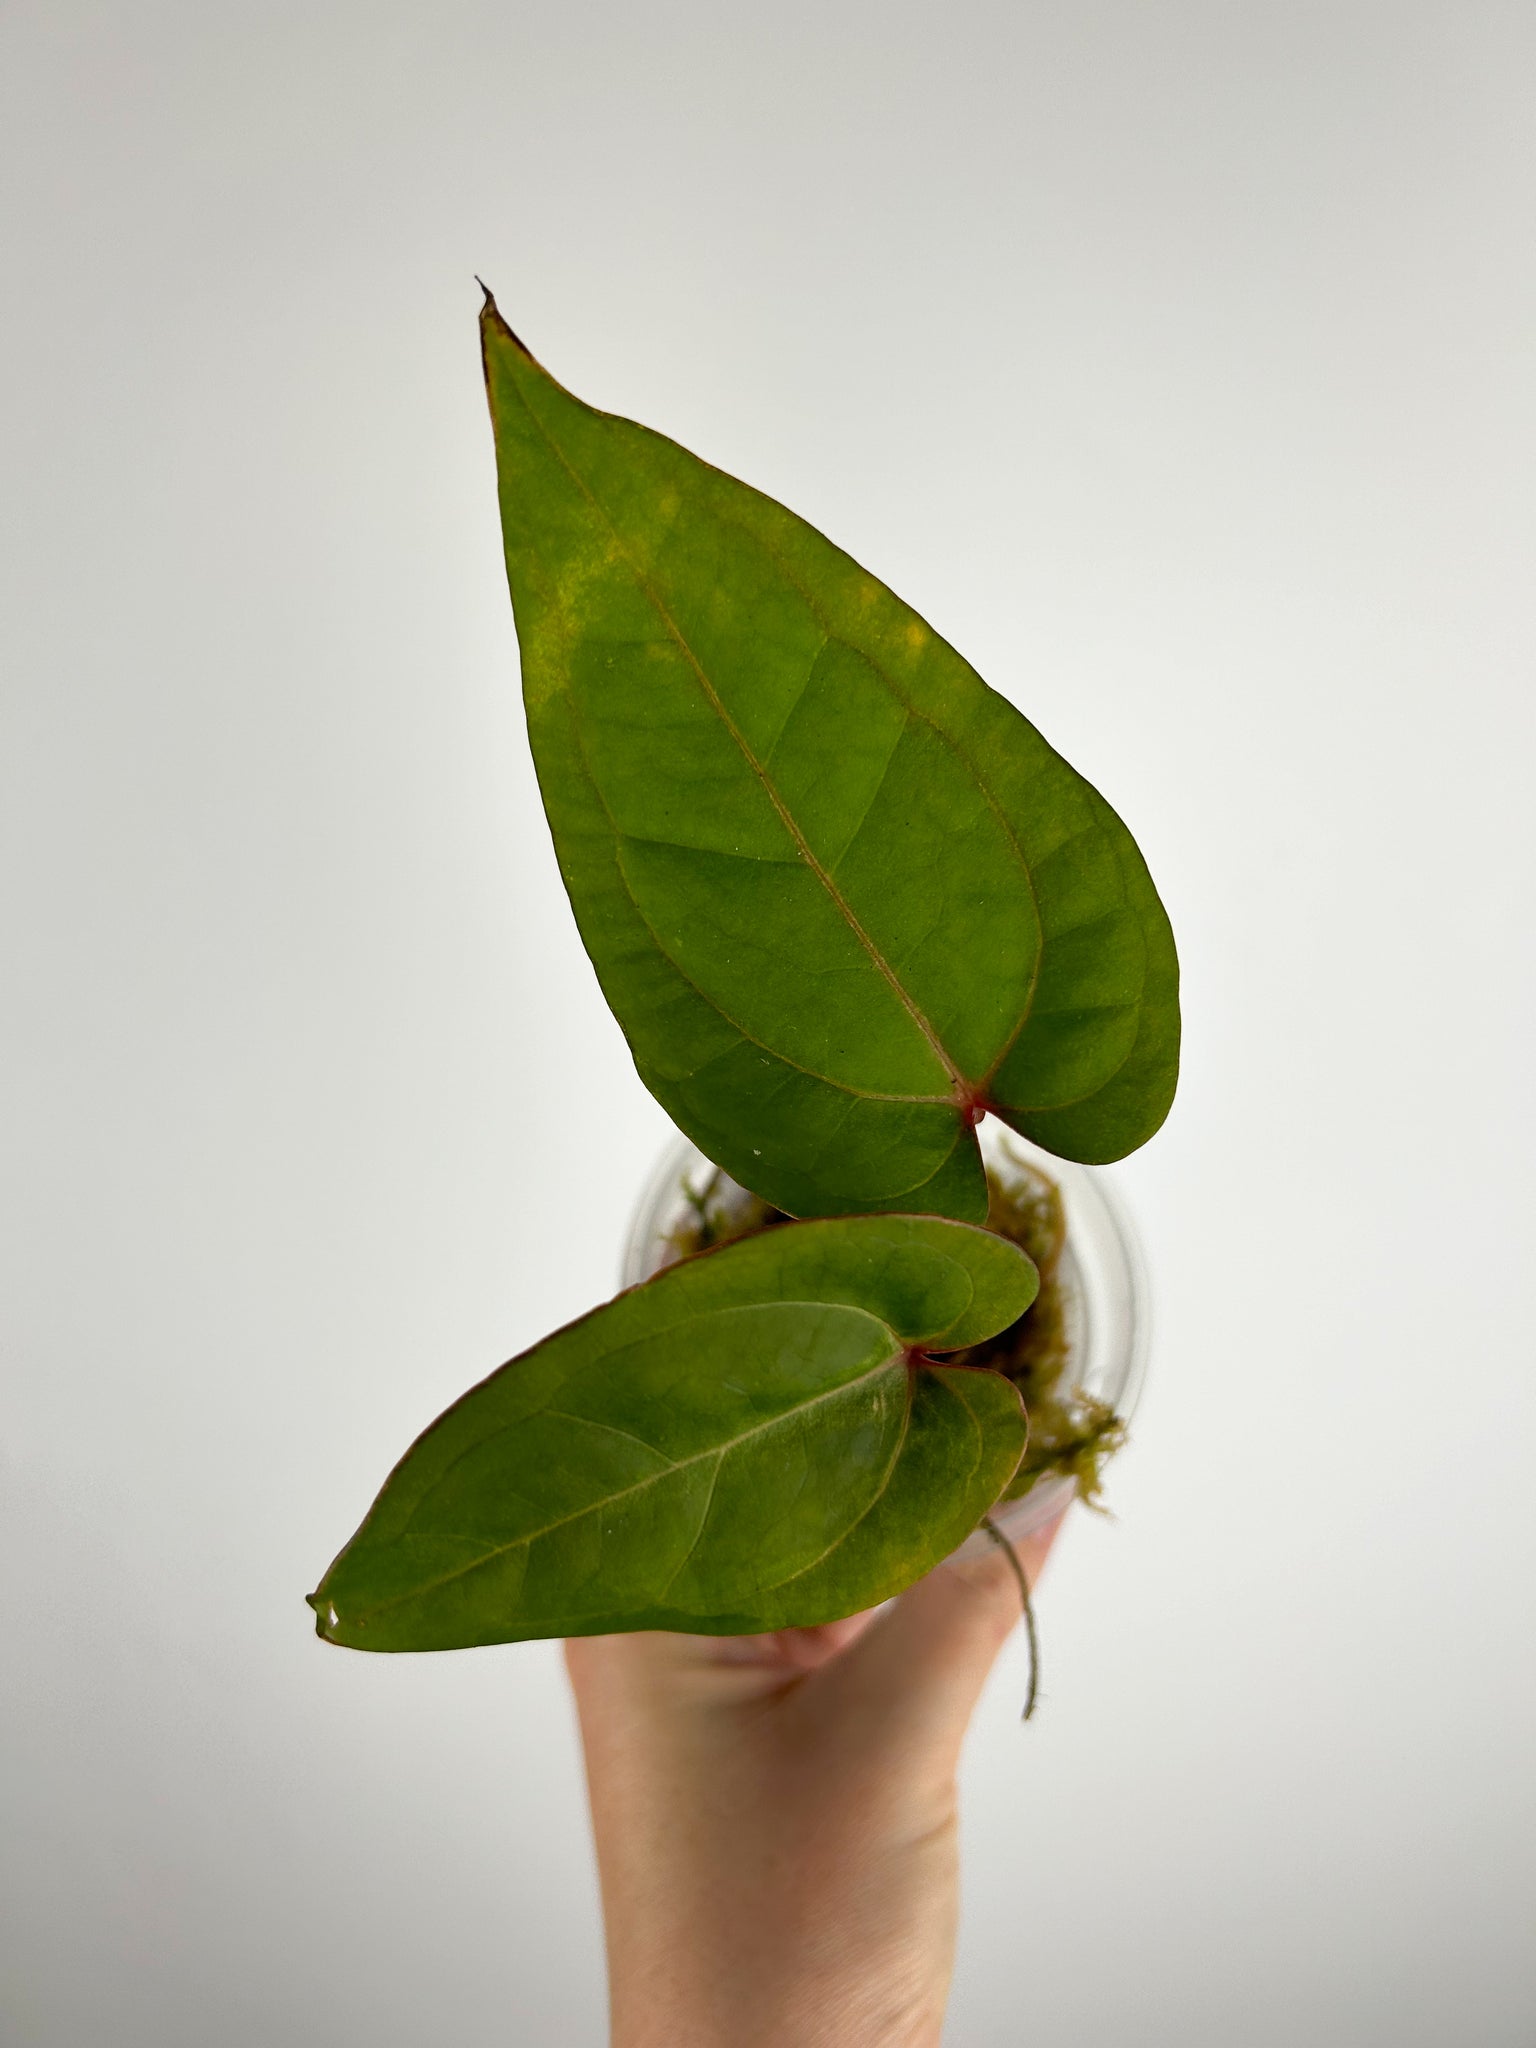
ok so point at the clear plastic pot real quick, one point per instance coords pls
(1102, 1279)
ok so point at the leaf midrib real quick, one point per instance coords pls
(963, 1092)
(701, 992)
(620, 836)
(978, 774)
(668, 1471)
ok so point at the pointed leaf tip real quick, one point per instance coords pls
(326, 1617)
(491, 316)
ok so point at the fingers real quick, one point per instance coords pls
(790, 1650)
(704, 1671)
(918, 1665)
(785, 1654)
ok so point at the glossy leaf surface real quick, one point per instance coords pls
(839, 894)
(745, 1442)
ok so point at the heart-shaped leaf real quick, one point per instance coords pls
(840, 895)
(752, 1440)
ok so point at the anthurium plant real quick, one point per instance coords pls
(844, 901)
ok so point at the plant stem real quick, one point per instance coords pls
(1030, 1634)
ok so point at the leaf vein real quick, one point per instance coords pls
(777, 1585)
(531, 1536)
(962, 1092)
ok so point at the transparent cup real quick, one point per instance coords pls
(1102, 1278)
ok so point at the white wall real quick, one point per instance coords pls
(1175, 360)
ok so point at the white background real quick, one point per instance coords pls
(1175, 360)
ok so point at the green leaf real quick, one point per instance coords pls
(840, 895)
(752, 1440)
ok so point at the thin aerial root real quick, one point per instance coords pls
(1030, 1635)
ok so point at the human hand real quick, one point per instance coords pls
(775, 1817)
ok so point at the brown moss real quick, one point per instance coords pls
(1071, 1432)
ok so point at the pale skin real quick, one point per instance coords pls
(775, 1817)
